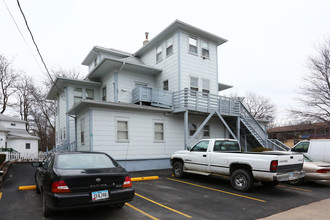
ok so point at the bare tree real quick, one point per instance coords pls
(7, 80)
(260, 107)
(315, 91)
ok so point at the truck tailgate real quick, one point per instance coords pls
(290, 162)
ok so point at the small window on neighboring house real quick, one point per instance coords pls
(165, 85)
(122, 130)
(13, 124)
(205, 87)
(77, 95)
(206, 131)
(104, 93)
(169, 46)
(192, 129)
(159, 131)
(192, 45)
(205, 49)
(90, 94)
(193, 85)
(82, 131)
(27, 146)
(159, 53)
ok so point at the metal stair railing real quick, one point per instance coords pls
(254, 127)
(278, 145)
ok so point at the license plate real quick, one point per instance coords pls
(292, 176)
(98, 195)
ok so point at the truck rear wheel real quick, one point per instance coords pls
(242, 180)
(178, 169)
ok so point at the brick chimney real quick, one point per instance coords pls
(146, 40)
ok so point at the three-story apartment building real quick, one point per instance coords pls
(141, 107)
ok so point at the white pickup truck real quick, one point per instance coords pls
(224, 157)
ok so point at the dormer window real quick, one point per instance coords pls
(192, 45)
(169, 46)
(205, 49)
(159, 53)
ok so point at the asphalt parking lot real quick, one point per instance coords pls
(195, 197)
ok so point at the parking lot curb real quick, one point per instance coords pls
(32, 187)
(136, 179)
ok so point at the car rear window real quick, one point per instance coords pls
(84, 161)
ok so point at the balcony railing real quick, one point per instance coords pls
(156, 97)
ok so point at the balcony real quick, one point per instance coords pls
(186, 100)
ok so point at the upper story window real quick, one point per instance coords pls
(159, 53)
(205, 87)
(77, 93)
(169, 46)
(192, 45)
(193, 85)
(165, 85)
(205, 49)
(90, 94)
(104, 93)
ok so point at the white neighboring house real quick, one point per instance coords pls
(14, 135)
(141, 107)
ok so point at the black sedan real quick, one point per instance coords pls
(81, 179)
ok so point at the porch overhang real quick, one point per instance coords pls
(222, 87)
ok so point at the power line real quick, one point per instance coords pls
(35, 44)
(22, 36)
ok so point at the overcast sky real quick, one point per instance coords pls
(268, 41)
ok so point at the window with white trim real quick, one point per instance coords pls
(192, 45)
(159, 53)
(159, 131)
(206, 131)
(77, 95)
(90, 94)
(205, 87)
(165, 85)
(104, 93)
(82, 131)
(205, 49)
(122, 130)
(193, 85)
(169, 46)
(192, 128)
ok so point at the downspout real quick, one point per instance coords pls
(116, 82)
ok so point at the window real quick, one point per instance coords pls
(205, 49)
(193, 85)
(159, 53)
(165, 85)
(192, 129)
(82, 131)
(192, 45)
(95, 61)
(159, 131)
(206, 131)
(226, 146)
(77, 95)
(169, 46)
(90, 94)
(201, 146)
(301, 147)
(104, 93)
(205, 87)
(84, 161)
(27, 146)
(122, 130)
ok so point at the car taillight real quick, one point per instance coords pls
(127, 182)
(323, 170)
(60, 187)
(273, 165)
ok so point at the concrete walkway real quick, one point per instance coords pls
(318, 210)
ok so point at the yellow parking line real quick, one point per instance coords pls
(218, 190)
(306, 190)
(173, 210)
(0, 195)
(144, 213)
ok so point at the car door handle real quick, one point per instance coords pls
(204, 155)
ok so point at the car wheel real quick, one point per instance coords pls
(297, 181)
(178, 169)
(242, 180)
(46, 211)
(37, 188)
(269, 184)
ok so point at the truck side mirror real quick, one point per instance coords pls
(188, 148)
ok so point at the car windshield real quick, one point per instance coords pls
(84, 161)
(307, 159)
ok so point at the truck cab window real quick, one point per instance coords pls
(226, 146)
(201, 146)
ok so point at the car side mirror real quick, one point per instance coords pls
(36, 164)
(188, 148)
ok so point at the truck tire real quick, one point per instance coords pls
(297, 182)
(242, 180)
(269, 184)
(178, 169)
